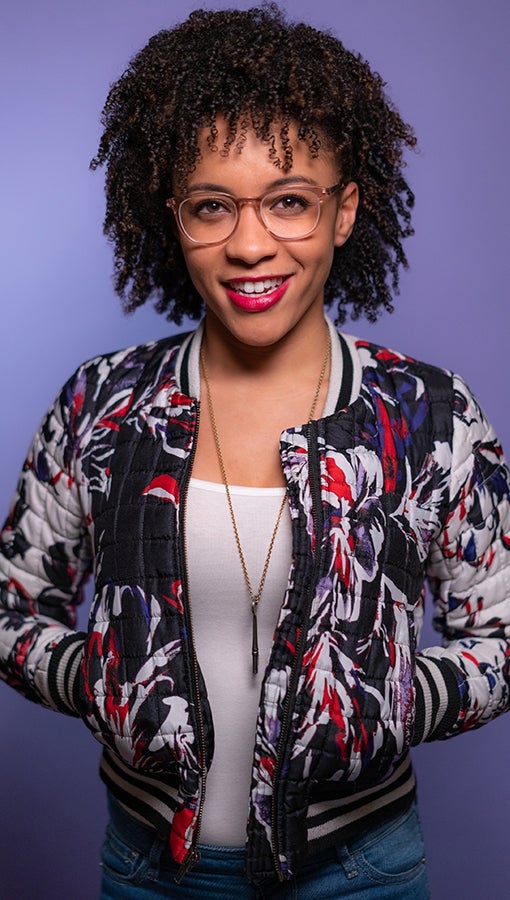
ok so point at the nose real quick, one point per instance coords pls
(250, 241)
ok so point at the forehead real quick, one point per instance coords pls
(228, 158)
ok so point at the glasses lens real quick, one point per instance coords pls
(207, 218)
(292, 213)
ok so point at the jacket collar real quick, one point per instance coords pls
(344, 382)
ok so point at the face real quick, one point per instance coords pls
(259, 290)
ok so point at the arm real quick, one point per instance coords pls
(45, 557)
(466, 682)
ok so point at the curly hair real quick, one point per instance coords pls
(258, 71)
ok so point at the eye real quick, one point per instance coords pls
(208, 207)
(290, 204)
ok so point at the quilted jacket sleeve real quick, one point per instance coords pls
(466, 682)
(44, 559)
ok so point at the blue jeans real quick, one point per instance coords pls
(387, 862)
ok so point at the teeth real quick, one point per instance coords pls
(258, 287)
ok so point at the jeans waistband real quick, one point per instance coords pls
(143, 838)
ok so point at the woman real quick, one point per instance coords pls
(251, 652)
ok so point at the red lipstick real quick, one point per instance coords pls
(257, 302)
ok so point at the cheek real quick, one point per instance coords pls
(320, 259)
(199, 262)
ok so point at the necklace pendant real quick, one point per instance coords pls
(254, 639)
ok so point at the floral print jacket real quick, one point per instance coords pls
(406, 483)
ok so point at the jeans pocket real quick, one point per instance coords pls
(121, 863)
(394, 853)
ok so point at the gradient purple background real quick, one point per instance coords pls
(447, 67)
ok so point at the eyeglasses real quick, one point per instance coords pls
(289, 213)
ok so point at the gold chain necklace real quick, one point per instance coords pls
(254, 597)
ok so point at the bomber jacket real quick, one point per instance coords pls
(403, 483)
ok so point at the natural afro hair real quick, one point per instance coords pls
(258, 71)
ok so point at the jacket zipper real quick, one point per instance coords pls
(193, 855)
(314, 478)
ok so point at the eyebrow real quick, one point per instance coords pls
(280, 182)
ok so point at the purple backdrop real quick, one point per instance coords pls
(447, 66)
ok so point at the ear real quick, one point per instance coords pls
(346, 213)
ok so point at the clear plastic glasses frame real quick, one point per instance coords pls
(288, 213)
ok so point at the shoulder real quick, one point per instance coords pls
(111, 383)
(132, 368)
(132, 363)
(441, 393)
(375, 358)
(397, 375)
(415, 396)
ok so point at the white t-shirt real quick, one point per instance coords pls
(222, 626)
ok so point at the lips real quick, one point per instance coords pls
(256, 294)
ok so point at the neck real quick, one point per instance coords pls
(299, 351)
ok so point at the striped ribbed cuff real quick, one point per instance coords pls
(63, 672)
(438, 699)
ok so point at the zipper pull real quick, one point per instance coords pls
(192, 858)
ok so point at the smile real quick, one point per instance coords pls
(258, 294)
